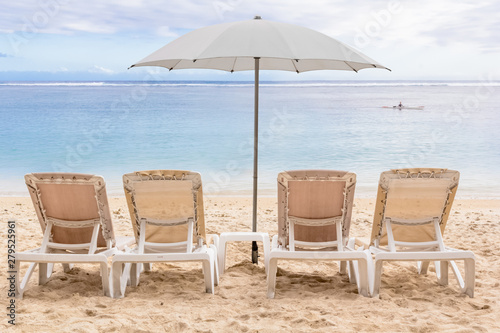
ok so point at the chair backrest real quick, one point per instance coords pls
(165, 195)
(71, 197)
(411, 195)
(314, 194)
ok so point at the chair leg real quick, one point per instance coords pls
(377, 277)
(216, 265)
(442, 272)
(343, 267)
(470, 277)
(362, 277)
(50, 269)
(271, 277)
(371, 272)
(135, 273)
(20, 287)
(351, 271)
(208, 272)
(458, 276)
(423, 266)
(267, 250)
(221, 254)
(24, 283)
(105, 278)
(119, 279)
(44, 273)
(67, 267)
(351, 243)
(147, 266)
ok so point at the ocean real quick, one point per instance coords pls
(112, 128)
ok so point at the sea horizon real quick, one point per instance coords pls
(352, 82)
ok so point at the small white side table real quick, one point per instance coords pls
(241, 237)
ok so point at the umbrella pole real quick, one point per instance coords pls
(255, 249)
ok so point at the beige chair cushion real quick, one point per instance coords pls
(164, 198)
(314, 194)
(410, 198)
(71, 197)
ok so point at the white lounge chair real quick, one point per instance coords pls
(76, 222)
(314, 215)
(166, 209)
(411, 212)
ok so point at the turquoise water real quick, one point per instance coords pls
(114, 128)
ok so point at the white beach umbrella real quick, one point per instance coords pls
(254, 45)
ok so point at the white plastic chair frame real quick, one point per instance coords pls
(127, 267)
(359, 261)
(50, 252)
(423, 252)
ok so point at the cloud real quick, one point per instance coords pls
(88, 26)
(471, 25)
(439, 22)
(164, 31)
(447, 23)
(99, 69)
(465, 31)
(93, 16)
(151, 16)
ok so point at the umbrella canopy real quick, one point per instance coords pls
(280, 46)
(253, 45)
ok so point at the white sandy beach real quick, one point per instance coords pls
(310, 296)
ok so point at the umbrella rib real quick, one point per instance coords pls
(350, 66)
(234, 64)
(293, 63)
(373, 65)
(170, 68)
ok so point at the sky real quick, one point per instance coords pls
(91, 40)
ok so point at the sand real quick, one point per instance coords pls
(310, 296)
